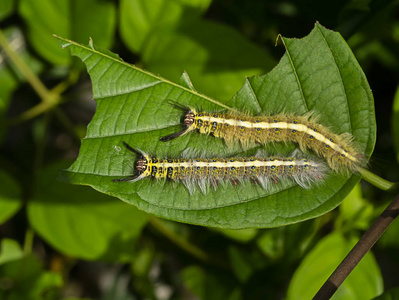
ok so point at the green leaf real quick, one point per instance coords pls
(217, 57)
(391, 294)
(78, 20)
(355, 212)
(26, 279)
(82, 223)
(289, 242)
(395, 123)
(390, 237)
(318, 73)
(241, 235)
(6, 8)
(10, 197)
(364, 282)
(207, 284)
(244, 263)
(10, 250)
(138, 18)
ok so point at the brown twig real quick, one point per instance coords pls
(359, 250)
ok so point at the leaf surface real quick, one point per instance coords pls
(317, 73)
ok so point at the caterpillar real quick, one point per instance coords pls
(338, 150)
(206, 172)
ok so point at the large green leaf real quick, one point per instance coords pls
(83, 223)
(364, 282)
(138, 18)
(171, 37)
(318, 73)
(217, 57)
(75, 19)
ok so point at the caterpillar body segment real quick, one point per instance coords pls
(206, 172)
(338, 150)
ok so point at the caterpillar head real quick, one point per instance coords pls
(189, 118)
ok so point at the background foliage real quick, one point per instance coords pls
(68, 242)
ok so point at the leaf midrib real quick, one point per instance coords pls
(69, 42)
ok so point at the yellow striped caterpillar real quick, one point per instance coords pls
(206, 172)
(338, 150)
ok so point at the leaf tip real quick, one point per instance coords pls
(279, 36)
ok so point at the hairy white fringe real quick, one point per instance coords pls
(306, 179)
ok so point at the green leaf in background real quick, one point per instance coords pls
(364, 282)
(10, 197)
(244, 263)
(240, 235)
(138, 18)
(355, 212)
(390, 237)
(172, 38)
(209, 285)
(391, 294)
(10, 250)
(217, 57)
(6, 8)
(25, 279)
(288, 242)
(318, 73)
(78, 20)
(395, 123)
(83, 223)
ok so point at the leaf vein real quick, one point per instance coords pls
(296, 76)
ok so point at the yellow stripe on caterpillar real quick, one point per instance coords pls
(205, 172)
(338, 150)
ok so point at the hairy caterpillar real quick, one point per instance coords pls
(211, 171)
(338, 150)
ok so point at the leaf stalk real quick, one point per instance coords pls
(26, 72)
(378, 181)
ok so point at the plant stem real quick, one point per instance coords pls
(359, 250)
(50, 99)
(194, 251)
(31, 113)
(378, 181)
(183, 244)
(28, 243)
(66, 122)
(26, 72)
